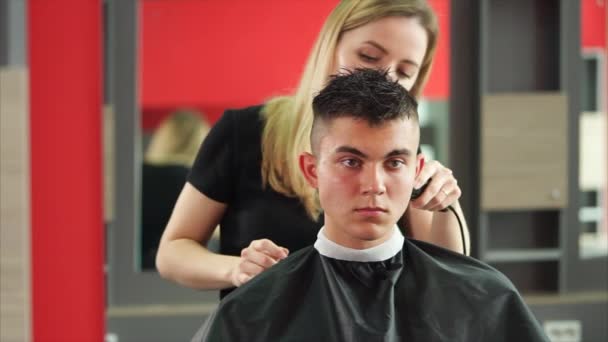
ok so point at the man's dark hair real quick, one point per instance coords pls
(368, 94)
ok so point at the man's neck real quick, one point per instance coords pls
(385, 250)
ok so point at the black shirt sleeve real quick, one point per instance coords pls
(213, 171)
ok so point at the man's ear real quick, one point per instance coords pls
(308, 166)
(419, 163)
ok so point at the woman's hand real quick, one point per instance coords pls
(260, 255)
(442, 189)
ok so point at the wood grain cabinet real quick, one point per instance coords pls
(524, 155)
(525, 109)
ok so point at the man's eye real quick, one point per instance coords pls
(395, 163)
(351, 163)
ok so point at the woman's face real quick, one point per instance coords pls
(394, 43)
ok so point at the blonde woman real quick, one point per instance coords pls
(246, 176)
(177, 139)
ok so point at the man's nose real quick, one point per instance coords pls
(373, 181)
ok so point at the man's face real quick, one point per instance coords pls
(364, 176)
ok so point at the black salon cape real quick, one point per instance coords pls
(424, 293)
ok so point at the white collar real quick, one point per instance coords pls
(383, 251)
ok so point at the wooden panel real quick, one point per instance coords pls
(15, 324)
(524, 151)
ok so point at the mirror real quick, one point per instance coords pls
(206, 57)
(202, 57)
(593, 135)
(169, 149)
(194, 56)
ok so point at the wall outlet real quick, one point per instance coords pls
(564, 331)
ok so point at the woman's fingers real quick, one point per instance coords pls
(441, 191)
(430, 169)
(449, 197)
(257, 257)
(251, 269)
(270, 248)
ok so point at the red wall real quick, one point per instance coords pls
(212, 54)
(593, 24)
(65, 53)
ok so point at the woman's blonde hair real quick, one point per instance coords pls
(288, 120)
(177, 140)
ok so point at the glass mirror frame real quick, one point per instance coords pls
(127, 285)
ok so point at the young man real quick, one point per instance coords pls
(362, 281)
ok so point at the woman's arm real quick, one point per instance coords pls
(439, 228)
(183, 258)
(181, 255)
(424, 218)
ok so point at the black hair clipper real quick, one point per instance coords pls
(417, 192)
